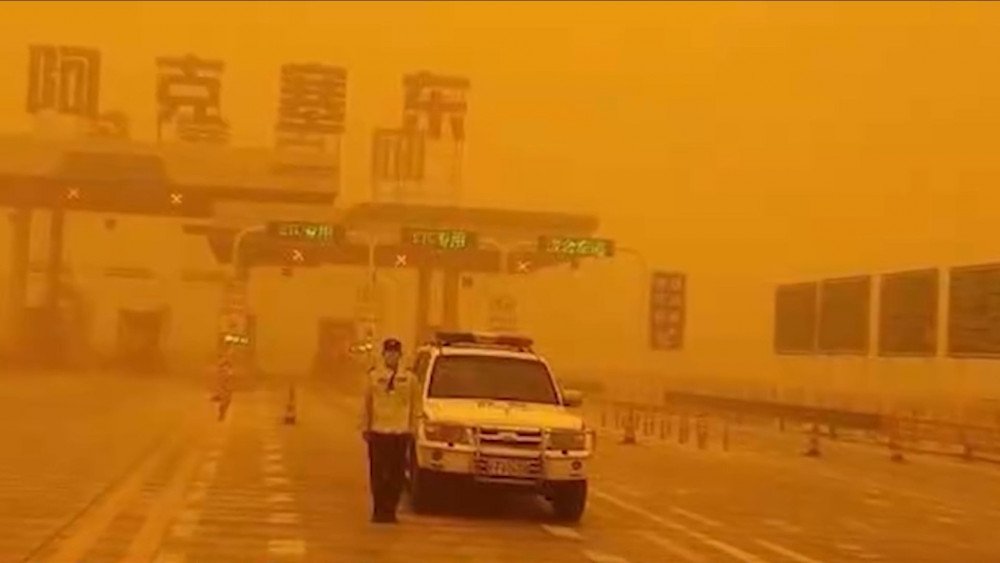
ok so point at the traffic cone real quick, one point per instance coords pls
(290, 415)
(701, 429)
(629, 437)
(812, 445)
(725, 435)
(895, 448)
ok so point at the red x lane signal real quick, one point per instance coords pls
(176, 199)
(400, 260)
(523, 266)
(73, 193)
(297, 256)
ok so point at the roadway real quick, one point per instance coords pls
(102, 468)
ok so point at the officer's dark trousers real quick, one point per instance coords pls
(386, 465)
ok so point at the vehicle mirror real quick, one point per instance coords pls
(572, 398)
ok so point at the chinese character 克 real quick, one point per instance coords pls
(312, 105)
(64, 79)
(432, 98)
(189, 95)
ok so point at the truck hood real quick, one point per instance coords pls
(488, 412)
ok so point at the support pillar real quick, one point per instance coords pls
(53, 312)
(424, 276)
(18, 289)
(450, 318)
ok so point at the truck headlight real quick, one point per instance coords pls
(569, 440)
(450, 433)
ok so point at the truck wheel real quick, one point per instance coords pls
(423, 495)
(569, 500)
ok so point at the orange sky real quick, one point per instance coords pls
(779, 138)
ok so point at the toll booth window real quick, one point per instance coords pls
(486, 377)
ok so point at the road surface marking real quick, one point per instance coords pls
(286, 547)
(274, 468)
(782, 525)
(210, 468)
(276, 481)
(849, 547)
(730, 550)
(562, 532)
(601, 557)
(859, 525)
(183, 529)
(171, 558)
(147, 540)
(273, 458)
(672, 546)
(785, 552)
(696, 517)
(279, 498)
(89, 528)
(945, 519)
(283, 518)
(877, 502)
(624, 490)
(189, 515)
(196, 496)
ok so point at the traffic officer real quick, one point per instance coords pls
(386, 427)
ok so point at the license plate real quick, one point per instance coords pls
(507, 467)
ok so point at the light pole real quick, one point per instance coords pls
(643, 292)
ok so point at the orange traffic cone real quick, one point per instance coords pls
(290, 415)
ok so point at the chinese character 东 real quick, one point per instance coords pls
(189, 95)
(313, 104)
(65, 79)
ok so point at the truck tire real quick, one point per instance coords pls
(423, 495)
(569, 500)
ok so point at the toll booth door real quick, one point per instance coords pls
(333, 340)
(140, 335)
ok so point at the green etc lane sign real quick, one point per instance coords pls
(440, 239)
(303, 231)
(576, 247)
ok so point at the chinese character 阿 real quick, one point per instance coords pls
(312, 106)
(189, 96)
(431, 98)
(64, 79)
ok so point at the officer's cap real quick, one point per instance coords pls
(392, 345)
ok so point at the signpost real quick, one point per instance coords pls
(303, 231)
(667, 311)
(440, 239)
(577, 247)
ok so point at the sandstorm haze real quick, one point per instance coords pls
(742, 143)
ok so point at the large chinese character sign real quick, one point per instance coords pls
(63, 79)
(312, 106)
(189, 97)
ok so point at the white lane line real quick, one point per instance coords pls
(286, 547)
(173, 557)
(859, 525)
(945, 519)
(782, 525)
(273, 458)
(279, 498)
(274, 468)
(785, 552)
(276, 481)
(696, 517)
(601, 557)
(562, 532)
(673, 547)
(183, 529)
(283, 518)
(724, 547)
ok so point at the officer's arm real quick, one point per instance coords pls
(366, 413)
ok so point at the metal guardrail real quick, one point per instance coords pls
(689, 411)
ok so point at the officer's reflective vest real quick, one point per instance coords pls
(391, 400)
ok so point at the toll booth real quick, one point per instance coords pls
(334, 338)
(140, 338)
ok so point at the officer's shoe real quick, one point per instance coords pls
(384, 519)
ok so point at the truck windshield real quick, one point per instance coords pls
(490, 377)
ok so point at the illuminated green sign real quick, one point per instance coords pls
(577, 246)
(448, 239)
(305, 231)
